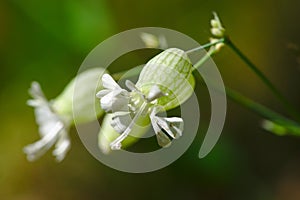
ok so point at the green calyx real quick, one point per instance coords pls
(78, 102)
(171, 71)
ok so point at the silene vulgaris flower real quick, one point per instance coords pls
(55, 117)
(165, 82)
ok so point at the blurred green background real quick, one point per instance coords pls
(47, 41)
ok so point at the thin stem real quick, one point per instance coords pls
(210, 52)
(128, 73)
(263, 111)
(292, 111)
(205, 46)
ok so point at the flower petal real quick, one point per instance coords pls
(62, 146)
(117, 100)
(166, 128)
(102, 93)
(37, 149)
(162, 139)
(109, 83)
(176, 126)
(130, 85)
(120, 121)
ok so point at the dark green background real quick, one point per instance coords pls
(47, 41)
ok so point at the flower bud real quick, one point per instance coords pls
(274, 127)
(217, 30)
(153, 41)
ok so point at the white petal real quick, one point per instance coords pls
(176, 126)
(130, 85)
(102, 93)
(109, 83)
(35, 90)
(45, 118)
(120, 121)
(114, 101)
(106, 102)
(40, 147)
(116, 144)
(162, 139)
(62, 146)
(166, 128)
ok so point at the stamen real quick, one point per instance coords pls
(116, 144)
(130, 85)
(154, 93)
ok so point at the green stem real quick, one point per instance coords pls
(210, 52)
(128, 73)
(205, 46)
(292, 111)
(263, 111)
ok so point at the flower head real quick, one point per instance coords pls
(52, 127)
(55, 117)
(164, 83)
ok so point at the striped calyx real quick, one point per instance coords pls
(171, 71)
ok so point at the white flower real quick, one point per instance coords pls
(55, 117)
(128, 107)
(52, 128)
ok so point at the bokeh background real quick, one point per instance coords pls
(47, 41)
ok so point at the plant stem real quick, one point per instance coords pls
(292, 111)
(210, 52)
(128, 73)
(205, 46)
(263, 111)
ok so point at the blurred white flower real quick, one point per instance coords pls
(55, 117)
(53, 128)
